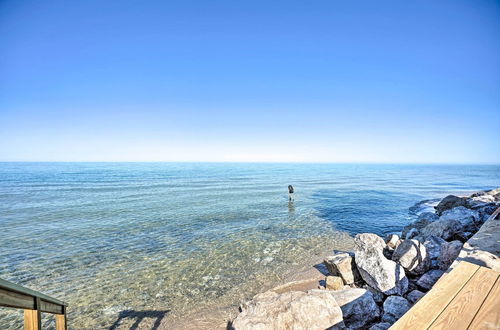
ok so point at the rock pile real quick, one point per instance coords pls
(375, 286)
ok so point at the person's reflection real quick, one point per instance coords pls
(291, 208)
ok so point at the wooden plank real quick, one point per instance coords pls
(462, 309)
(61, 322)
(32, 320)
(49, 307)
(488, 316)
(16, 300)
(6, 285)
(427, 309)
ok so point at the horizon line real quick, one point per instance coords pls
(249, 162)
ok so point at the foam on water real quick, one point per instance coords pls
(115, 237)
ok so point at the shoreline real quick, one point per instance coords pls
(460, 228)
(304, 276)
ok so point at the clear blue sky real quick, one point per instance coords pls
(325, 81)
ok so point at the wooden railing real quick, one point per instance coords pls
(34, 303)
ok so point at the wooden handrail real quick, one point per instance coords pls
(34, 303)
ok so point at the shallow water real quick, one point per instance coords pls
(114, 237)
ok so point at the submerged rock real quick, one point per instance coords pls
(316, 309)
(394, 308)
(343, 265)
(449, 252)
(427, 280)
(450, 202)
(358, 307)
(379, 272)
(412, 255)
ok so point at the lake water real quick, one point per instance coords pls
(115, 237)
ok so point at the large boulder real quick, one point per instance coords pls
(441, 228)
(427, 280)
(379, 272)
(465, 216)
(423, 220)
(315, 309)
(394, 308)
(433, 247)
(412, 255)
(449, 252)
(343, 265)
(358, 307)
(450, 202)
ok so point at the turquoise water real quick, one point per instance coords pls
(163, 236)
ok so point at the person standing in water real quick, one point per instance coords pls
(290, 192)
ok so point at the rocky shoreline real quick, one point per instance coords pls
(374, 286)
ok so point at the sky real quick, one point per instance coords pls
(250, 81)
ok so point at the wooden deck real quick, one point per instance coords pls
(466, 298)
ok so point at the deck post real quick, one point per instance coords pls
(61, 320)
(32, 319)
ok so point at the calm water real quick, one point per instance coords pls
(109, 237)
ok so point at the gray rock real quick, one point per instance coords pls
(465, 216)
(358, 307)
(449, 252)
(433, 247)
(378, 272)
(394, 308)
(380, 326)
(427, 280)
(441, 228)
(450, 202)
(343, 265)
(414, 296)
(316, 309)
(412, 255)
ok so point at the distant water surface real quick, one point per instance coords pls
(115, 237)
